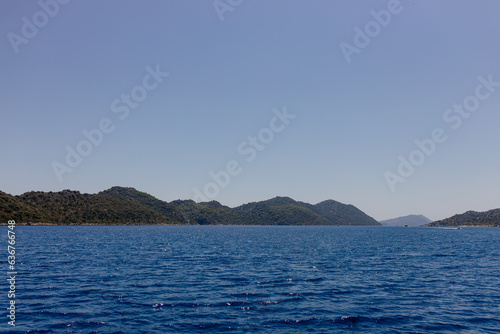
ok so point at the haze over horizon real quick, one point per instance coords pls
(391, 106)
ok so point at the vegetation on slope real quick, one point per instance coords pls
(120, 205)
(471, 218)
(114, 206)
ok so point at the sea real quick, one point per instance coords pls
(253, 279)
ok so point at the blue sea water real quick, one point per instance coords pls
(254, 279)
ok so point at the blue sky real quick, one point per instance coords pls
(229, 65)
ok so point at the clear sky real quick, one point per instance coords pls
(355, 84)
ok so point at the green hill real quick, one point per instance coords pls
(114, 206)
(343, 214)
(207, 213)
(278, 211)
(120, 205)
(471, 218)
(286, 211)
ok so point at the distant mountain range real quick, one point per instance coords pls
(471, 218)
(120, 205)
(410, 220)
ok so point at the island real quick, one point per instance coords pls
(471, 218)
(128, 206)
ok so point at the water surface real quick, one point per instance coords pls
(256, 279)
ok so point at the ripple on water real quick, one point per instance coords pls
(167, 279)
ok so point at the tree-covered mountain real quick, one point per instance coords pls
(410, 220)
(471, 218)
(206, 213)
(120, 205)
(280, 210)
(343, 214)
(114, 206)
